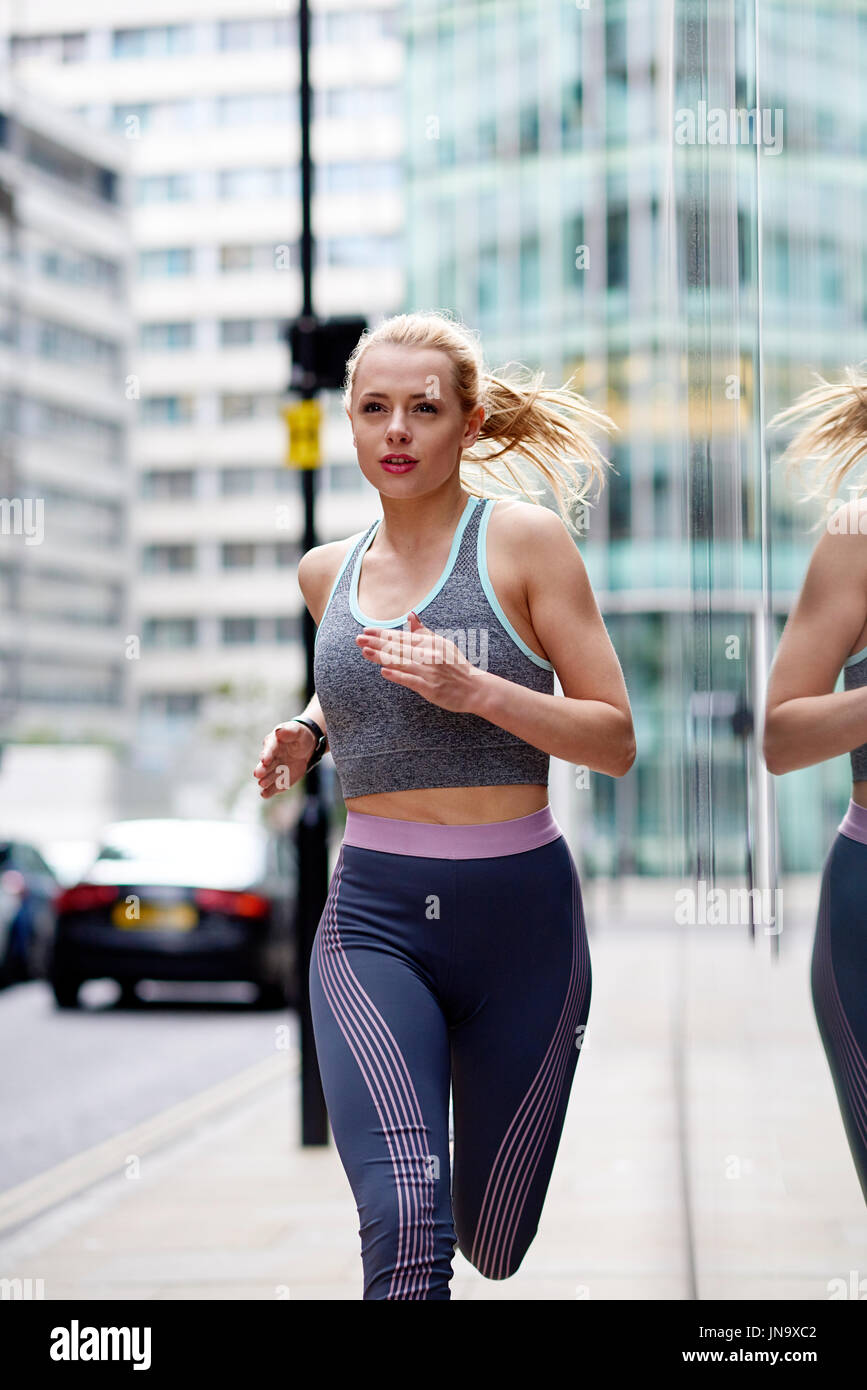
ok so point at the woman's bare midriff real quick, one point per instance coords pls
(454, 805)
(859, 794)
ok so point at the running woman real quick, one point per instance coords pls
(452, 949)
(806, 722)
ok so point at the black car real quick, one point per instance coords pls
(181, 900)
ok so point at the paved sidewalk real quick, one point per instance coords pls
(703, 1154)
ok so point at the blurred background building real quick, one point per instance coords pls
(65, 328)
(199, 103)
(691, 288)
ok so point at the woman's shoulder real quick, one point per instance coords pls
(847, 518)
(520, 526)
(529, 549)
(319, 567)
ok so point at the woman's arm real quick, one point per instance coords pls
(806, 721)
(286, 750)
(590, 725)
(313, 710)
(317, 569)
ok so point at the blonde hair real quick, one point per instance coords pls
(836, 439)
(547, 426)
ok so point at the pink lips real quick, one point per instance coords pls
(392, 466)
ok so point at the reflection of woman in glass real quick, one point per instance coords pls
(807, 722)
(452, 949)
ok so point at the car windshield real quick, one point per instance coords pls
(200, 852)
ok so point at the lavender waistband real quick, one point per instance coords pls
(854, 823)
(428, 840)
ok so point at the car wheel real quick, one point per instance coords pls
(66, 989)
(13, 967)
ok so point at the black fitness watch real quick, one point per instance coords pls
(321, 739)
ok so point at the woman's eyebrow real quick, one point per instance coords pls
(417, 396)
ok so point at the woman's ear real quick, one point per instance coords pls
(477, 417)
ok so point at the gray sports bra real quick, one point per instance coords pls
(854, 676)
(385, 737)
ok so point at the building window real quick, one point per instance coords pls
(239, 630)
(165, 337)
(155, 41)
(175, 260)
(260, 257)
(256, 108)
(66, 344)
(74, 170)
(271, 181)
(168, 484)
(246, 405)
(383, 251)
(576, 262)
(287, 629)
(236, 331)
(77, 430)
(282, 479)
(351, 26)
(618, 249)
(343, 477)
(353, 103)
(360, 176)
(530, 273)
(256, 33)
(57, 48)
(286, 554)
(130, 117)
(242, 332)
(168, 559)
(164, 188)
(235, 482)
(529, 130)
(170, 632)
(238, 555)
(157, 115)
(170, 702)
(167, 410)
(572, 114)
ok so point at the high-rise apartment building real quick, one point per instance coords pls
(201, 99)
(65, 331)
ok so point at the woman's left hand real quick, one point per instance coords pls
(425, 662)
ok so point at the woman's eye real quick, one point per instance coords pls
(374, 405)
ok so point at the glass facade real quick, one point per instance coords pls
(580, 213)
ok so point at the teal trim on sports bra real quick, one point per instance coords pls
(488, 587)
(428, 598)
(347, 557)
(859, 656)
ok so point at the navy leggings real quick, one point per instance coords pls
(457, 957)
(838, 977)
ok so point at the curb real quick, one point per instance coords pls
(33, 1197)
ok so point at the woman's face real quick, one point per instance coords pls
(403, 402)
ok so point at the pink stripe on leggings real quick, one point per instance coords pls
(521, 1149)
(485, 840)
(390, 1085)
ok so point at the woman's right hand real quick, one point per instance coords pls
(285, 753)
